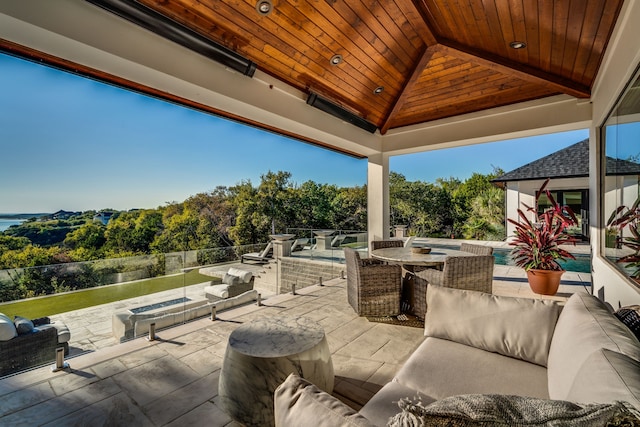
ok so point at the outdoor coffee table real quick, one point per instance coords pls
(260, 355)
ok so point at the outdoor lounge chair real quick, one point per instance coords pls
(234, 283)
(474, 273)
(373, 287)
(381, 244)
(263, 257)
(337, 241)
(476, 249)
(299, 244)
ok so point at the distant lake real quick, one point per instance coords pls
(6, 223)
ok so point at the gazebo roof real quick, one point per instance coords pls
(570, 162)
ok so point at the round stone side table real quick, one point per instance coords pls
(260, 355)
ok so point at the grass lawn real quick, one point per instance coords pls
(53, 304)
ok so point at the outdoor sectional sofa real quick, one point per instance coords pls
(25, 343)
(484, 353)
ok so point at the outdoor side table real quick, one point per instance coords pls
(260, 355)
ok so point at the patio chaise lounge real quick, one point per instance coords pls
(497, 361)
(263, 257)
(234, 283)
(299, 244)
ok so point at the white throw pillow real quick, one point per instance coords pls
(244, 275)
(7, 328)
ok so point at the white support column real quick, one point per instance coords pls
(378, 197)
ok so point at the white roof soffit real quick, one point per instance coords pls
(548, 115)
(86, 34)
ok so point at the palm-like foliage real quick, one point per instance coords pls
(537, 243)
(621, 218)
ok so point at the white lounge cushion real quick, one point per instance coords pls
(585, 325)
(244, 275)
(515, 327)
(7, 328)
(297, 402)
(607, 376)
(220, 291)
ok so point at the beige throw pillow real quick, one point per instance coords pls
(515, 327)
(297, 402)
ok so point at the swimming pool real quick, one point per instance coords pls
(582, 263)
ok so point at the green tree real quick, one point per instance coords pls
(349, 208)
(245, 230)
(10, 243)
(132, 232)
(486, 219)
(89, 236)
(272, 197)
(425, 208)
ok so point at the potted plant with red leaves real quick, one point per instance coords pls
(628, 217)
(537, 243)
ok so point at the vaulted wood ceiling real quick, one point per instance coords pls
(434, 58)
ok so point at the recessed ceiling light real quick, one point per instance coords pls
(335, 59)
(378, 90)
(264, 7)
(517, 45)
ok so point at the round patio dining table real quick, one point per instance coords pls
(407, 257)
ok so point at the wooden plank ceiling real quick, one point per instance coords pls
(433, 58)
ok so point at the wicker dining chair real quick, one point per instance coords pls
(476, 249)
(381, 244)
(473, 273)
(373, 287)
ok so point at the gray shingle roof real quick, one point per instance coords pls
(570, 162)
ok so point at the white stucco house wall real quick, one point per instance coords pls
(569, 172)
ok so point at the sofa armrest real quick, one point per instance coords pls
(297, 402)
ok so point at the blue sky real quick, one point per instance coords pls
(76, 144)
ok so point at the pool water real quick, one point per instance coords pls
(582, 263)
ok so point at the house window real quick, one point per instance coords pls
(620, 183)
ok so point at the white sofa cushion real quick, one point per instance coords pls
(297, 402)
(440, 368)
(607, 376)
(7, 328)
(515, 327)
(384, 404)
(220, 291)
(585, 325)
(244, 275)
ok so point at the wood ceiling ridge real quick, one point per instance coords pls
(400, 100)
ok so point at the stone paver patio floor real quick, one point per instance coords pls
(174, 380)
